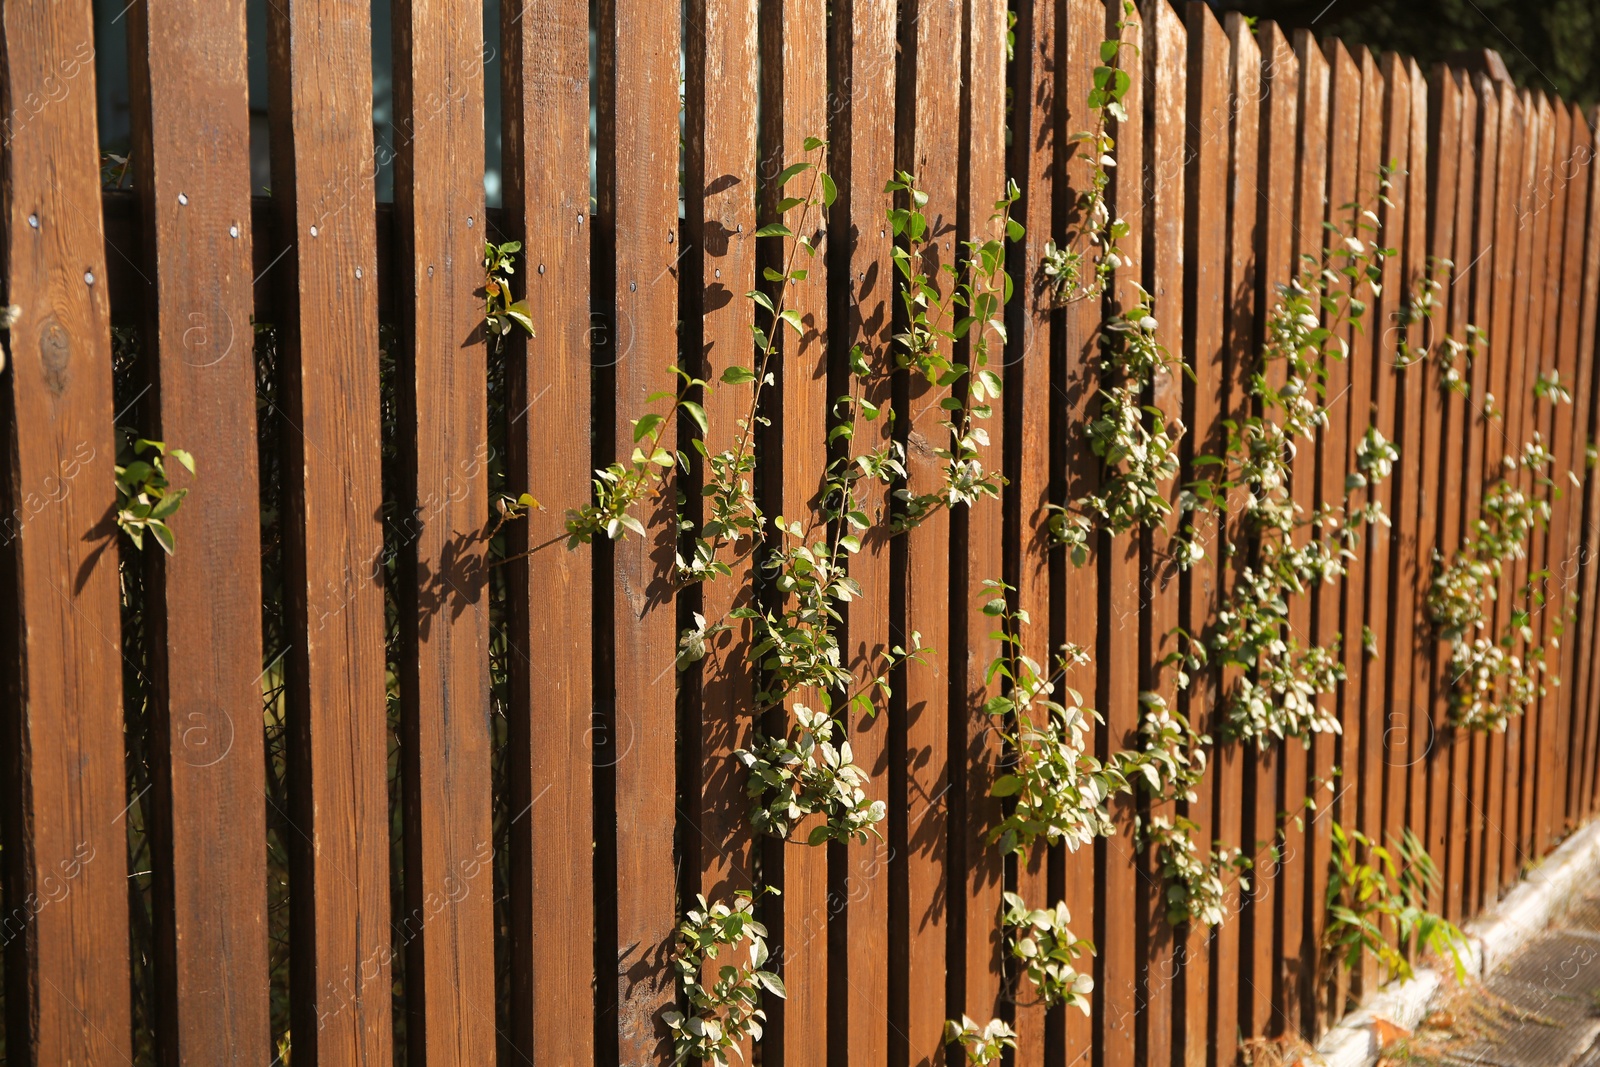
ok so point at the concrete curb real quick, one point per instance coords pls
(1491, 939)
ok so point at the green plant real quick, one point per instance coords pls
(1058, 790)
(1045, 948)
(145, 498)
(1374, 892)
(728, 1010)
(806, 773)
(500, 313)
(1196, 887)
(981, 1044)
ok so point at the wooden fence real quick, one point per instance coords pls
(493, 871)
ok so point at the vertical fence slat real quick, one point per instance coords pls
(1452, 434)
(1166, 78)
(448, 929)
(1280, 75)
(67, 964)
(794, 72)
(864, 48)
(188, 83)
(320, 84)
(1205, 396)
(1117, 979)
(1310, 197)
(1235, 763)
(1572, 426)
(928, 143)
(552, 741)
(1345, 388)
(1581, 641)
(636, 284)
(1077, 615)
(719, 269)
(1479, 275)
(1038, 97)
(982, 534)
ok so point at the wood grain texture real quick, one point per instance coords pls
(448, 929)
(794, 107)
(1205, 400)
(1280, 78)
(553, 738)
(930, 94)
(977, 943)
(67, 970)
(191, 129)
(321, 90)
(637, 282)
(864, 50)
(1117, 978)
(1237, 766)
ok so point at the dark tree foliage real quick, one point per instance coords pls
(1553, 45)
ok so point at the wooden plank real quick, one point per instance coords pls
(553, 743)
(1482, 269)
(1436, 522)
(1077, 613)
(931, 53)
(1117, 974)
(1310, 198)
(1205, 399)
(188, 83)
(1236, 765)
(636, 292)
(1513, 129)
(1166, 78)
(67, 971)
(793, 66)
(720, 107)
(1560, 343)
(981, 529)
(1347, 385)
(864, 47)
(1280, 78)
(1581, 640)
(1448, 752)
(444, 625)
(320, 84)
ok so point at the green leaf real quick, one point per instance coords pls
(791, 170)
(774, 229)
(830, 192)
(697, 413)
(1006, 785)
(738, 376)
(643, 427)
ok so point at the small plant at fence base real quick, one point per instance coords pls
(727, 1011)
(145, 497)
(501, 314)
(1375, 893)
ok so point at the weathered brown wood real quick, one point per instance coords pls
(66, 933)
(1236, 763)
(864, 46)
(1346, 386)
(719, 267)
(1280, 77)
(793, 43)
(448, 928)
(1205, 399)
(980, 535)
(320, 84)
(1117, 977)
(1166, 78)
(1581, 642)
(188, 83)
(1484, 268)
(553, 743)
(637, 293)
(927, 141)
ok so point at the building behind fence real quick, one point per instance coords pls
(481, 797)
